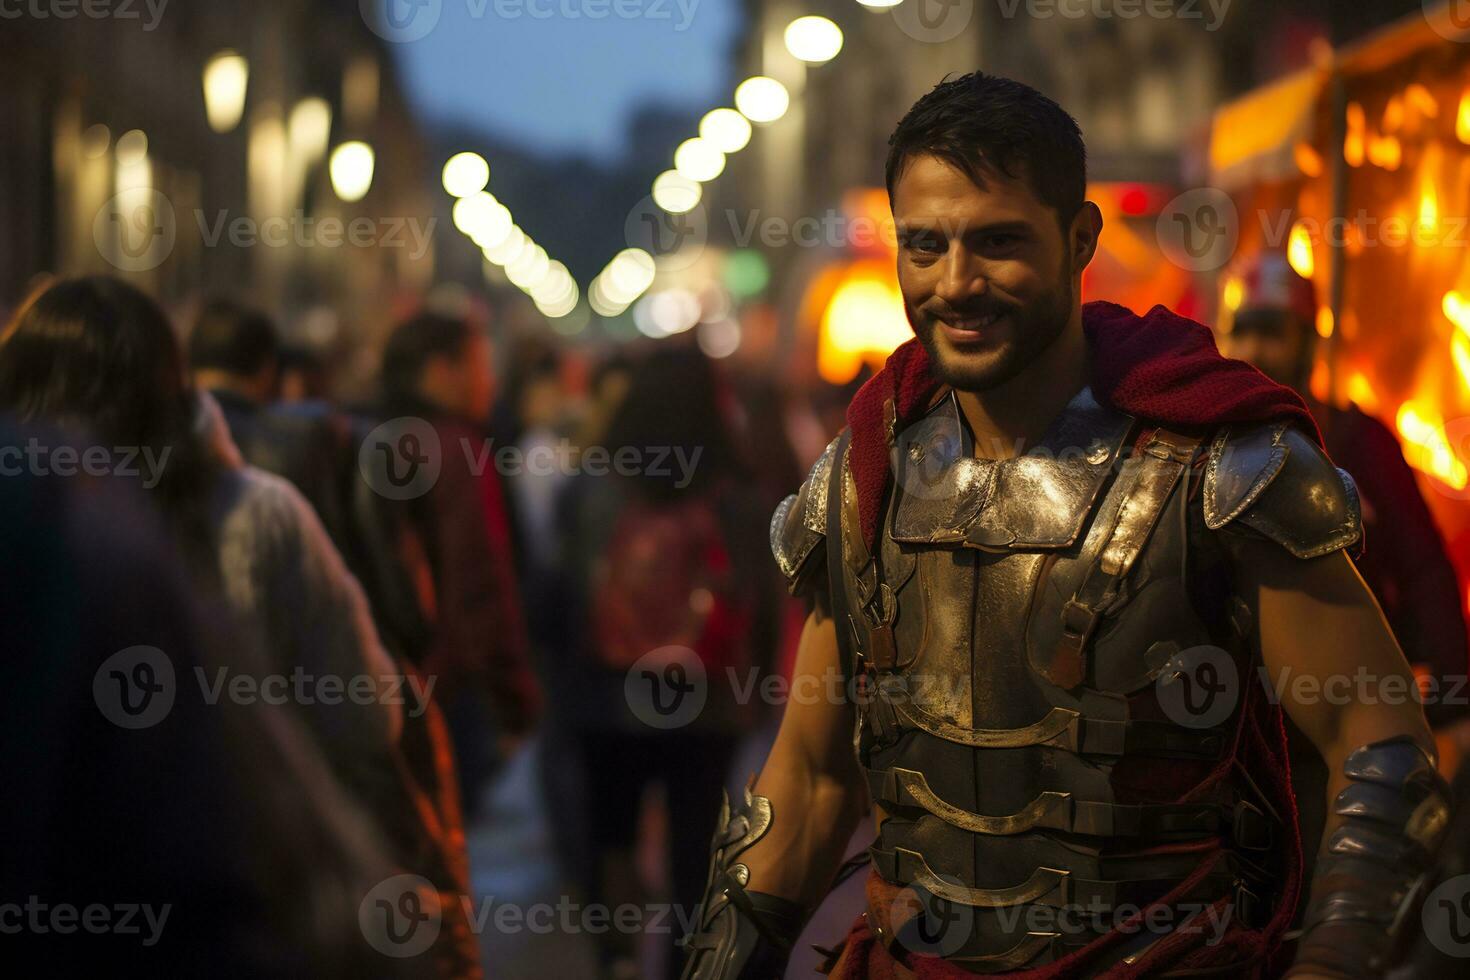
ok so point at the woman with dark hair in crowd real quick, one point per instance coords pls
(99, 359)
(666, 553)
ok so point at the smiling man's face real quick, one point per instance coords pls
(987, 278)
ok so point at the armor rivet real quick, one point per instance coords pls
(916, 452)
(1097, 454)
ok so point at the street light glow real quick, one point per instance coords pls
(725, 129)
(352, 170)
(508, 250)
(309, 131)
(815, 40)
(628, 276)
(676, 193)
(226, 78)
(762, 99)
(466, 174)
(698, 160)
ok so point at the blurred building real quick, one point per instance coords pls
(191, 150)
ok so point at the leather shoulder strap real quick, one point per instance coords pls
(837, 594)
(1149, 478)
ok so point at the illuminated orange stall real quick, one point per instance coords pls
(1360, 168)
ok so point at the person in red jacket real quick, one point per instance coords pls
(455, 539)
(1403, 560)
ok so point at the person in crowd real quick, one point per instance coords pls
(95, 355)
(1403, 560)
(465, 626)
(210, 836)
(667, 565)
(235, 354)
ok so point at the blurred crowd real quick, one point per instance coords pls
(275, 649)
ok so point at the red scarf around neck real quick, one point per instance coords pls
(1161, 368)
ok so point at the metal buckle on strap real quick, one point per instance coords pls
(1250, 828)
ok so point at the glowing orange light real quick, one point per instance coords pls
(1462, 118)
(1421, 99)
(1308, 160)
(1324, 322)
(1428, 448)
(1234, 293)
(1360, 392)
(1354, 141)
(1428, 206)
(1299, 251)
(1460, 354)
(864, 321)
(1457, 309)
(1385, 152)
(1393, 114)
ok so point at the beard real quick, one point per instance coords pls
(1002, 350)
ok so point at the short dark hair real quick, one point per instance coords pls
(417, 341)
(981, 122)
(230, 336)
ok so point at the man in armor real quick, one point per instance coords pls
(1077, 574)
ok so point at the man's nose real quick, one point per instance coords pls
(962, 279)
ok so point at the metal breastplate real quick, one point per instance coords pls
(1020, 799)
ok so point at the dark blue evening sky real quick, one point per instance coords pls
(565, 84)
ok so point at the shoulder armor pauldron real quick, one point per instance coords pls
(799, 525)
(1275, 480)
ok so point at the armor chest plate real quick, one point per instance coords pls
(1002, 785)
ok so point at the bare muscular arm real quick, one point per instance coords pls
(1318, 620)
(811, 778)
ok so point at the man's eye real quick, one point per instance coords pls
(926, 245)
(1001, 242)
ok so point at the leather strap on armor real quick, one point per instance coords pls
(1153, 471)
(740, 934)
(835, 588)
(1370, 881)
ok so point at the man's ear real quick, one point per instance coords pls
(1082, 238)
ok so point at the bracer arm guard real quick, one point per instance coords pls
(740, 934)
(1369, 884)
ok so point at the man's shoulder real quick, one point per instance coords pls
(799, 525)
(1275, 480)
